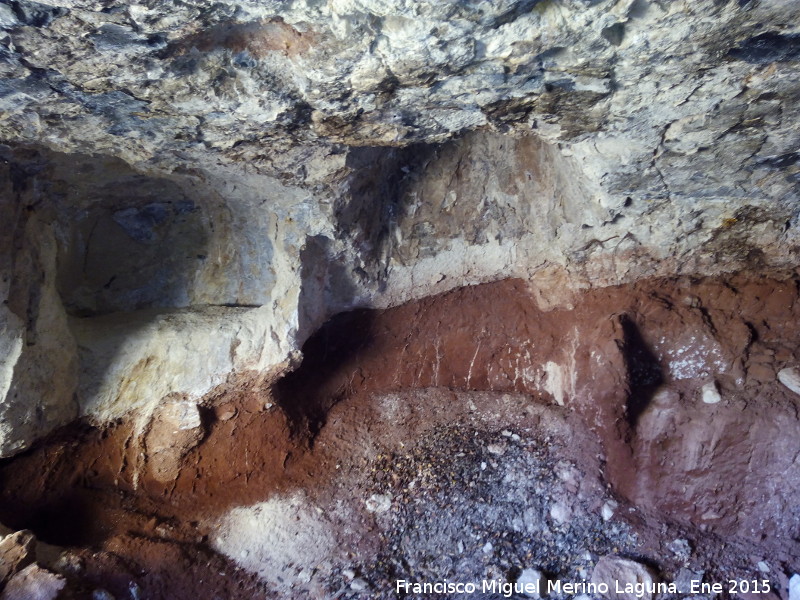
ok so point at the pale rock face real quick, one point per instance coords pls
(608, 510)
(623, 574)
(790, 377)
(132, 360)
(794, 587)
(39, 368)
(175, 428)
(11, 340)
(204, 184)
(17, 551)
(274, 538)
(133, 289)
(33, 583)
(536, 578)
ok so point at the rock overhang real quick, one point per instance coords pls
(254, 168)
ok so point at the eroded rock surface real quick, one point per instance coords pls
(291, 277)
(634, 580)
(365, 466)
(33, 583)
(17, 551)
(219, 179)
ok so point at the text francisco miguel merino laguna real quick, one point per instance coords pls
(508, 589)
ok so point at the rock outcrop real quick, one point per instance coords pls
(324, 293)
(471, 433)
(206, 183)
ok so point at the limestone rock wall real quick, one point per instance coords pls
(121, 289)
(189, 190)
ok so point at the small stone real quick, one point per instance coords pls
(358, 585)
(68, 564)
(534, 578)
(681, 548)
(790, 377)
(102, 594)
(33, 583)
(608, 510)
(304, 576)
(349, 574)
(379, 503)
(794, 587)
(487, 547)
(497, 449)
(560, 513)
(134, 591)
(621, 573)
(710, 393)
(763, 567)
(684, 578)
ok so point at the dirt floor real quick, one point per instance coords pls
(469, 436)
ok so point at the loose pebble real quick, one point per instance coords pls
(794, 587)
(534, 577)
(608, 510)
(560, 513)
(358, 585)
(790, 377)
(497, 449)
(621, 572)
(710, 393)
(379, 503)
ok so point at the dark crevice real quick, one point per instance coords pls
(644, 371)
(307, 394)
(768, 47)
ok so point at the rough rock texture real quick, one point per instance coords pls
(298, 278)
(184, 180)
(469, 435)
(620, 573)
(794, 587)
(33, 583)
(17, 551)
(176, 427)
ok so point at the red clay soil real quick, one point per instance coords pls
(629, 361)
